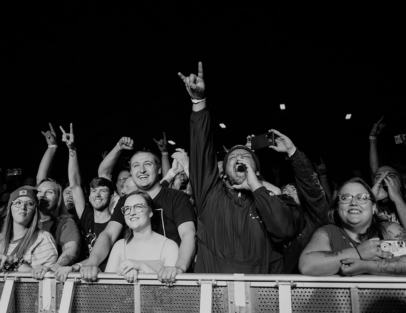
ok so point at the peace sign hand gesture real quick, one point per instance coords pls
(195, 84)
(68, 138)
(50, 136)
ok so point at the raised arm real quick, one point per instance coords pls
(163, 147)
(373, 146)
(307, 181)
(106, 167)
(203, 163)
(75, 180)
(46, 163)
(321, 170)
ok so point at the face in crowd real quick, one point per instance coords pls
(129, 186)
(68, 198)
(291, 191)
(48, 195)
(356, 211)
(122, 177)
(99, 197)
(393, 174)
(23, 209)
(144, 170)
(233, 176)
(137, 213)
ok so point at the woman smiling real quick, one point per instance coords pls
(356, 232)
(142, 249)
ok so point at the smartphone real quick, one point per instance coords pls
(14, 171)
(263, 141)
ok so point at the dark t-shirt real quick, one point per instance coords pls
(173, 208)
(90, 231)
(64, 231)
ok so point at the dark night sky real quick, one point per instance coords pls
(110, 68)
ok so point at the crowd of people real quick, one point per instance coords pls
(202, 212)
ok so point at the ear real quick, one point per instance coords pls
(374, 209)
(257, 173)
(160, 171)
(151, 214)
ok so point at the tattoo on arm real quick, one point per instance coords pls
(395, 266)
(401, 235)
(72, 153)
(330, 253)
(65, 260)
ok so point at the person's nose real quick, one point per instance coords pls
(354, 201)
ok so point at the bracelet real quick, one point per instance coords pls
(52, 146)
(196, 101)
(164, 153)
(372, 137)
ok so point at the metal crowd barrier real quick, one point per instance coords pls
(204, 293)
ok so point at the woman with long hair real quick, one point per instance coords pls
(142, 249)
(356, 231)
(54, 217)
(23, 246)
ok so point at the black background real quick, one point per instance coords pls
(110, 68)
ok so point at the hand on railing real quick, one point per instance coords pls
(89, 272)
(39, 272)
(167, 275)
(62, 273)
(351, 267)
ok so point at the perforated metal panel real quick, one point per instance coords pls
(321, 300)
(26, 297)
(1, 288)
(377, 301)
(265, 299)
(156, 299)
(103, 298)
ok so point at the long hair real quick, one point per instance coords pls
(61, 211)
(376, 229)
(28, 239)
(128, 235)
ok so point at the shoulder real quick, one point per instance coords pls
(119, 244)
(170, 195)
(170, 245)
(44, 235)
(394, 231)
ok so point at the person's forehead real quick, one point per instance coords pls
(240, 151)
(353, 188)
(134, 199)
(389, 169)
(123, 174)
(23, 198)
(101, 188)
(46, 185)
(142, 157)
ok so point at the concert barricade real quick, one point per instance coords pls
(204, 293)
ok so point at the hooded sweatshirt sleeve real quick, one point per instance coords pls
(282, 217)
(203, 162)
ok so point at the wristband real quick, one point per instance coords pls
(52, 146)
(372, 137)
(196, 101)
(164, 153)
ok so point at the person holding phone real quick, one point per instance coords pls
(240, 223)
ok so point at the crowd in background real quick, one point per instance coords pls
(202, 211)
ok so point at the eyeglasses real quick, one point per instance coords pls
(361, 198)
(20, 203)
(136, 208)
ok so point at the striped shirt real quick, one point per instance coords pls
(42, 252)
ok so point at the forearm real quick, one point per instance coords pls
(165, 164)
(100, 250)
(326, 186)
(388, 267)
(323, 263)
(46, 164)
(68, 257)
(107, 165)
(373, 156)
(186, 252)
(73, 169)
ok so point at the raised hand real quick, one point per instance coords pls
(321, 168)
(182, 158)
(68, 138)
(125, 143)
(162, 143)
(377, 128)
(283, 144)
(50, 136)
(251, 182)
(378, 190)
(394, 190)
(249, 141)
(195, 84)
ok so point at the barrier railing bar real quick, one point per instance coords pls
(231, 277)
(137, 298)
(7, 295)
(354, 300)
(67, 296)
(232, 308)
(206, 295)
(285, 298)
